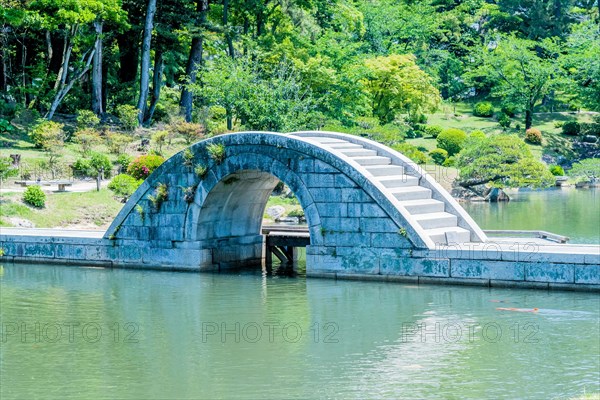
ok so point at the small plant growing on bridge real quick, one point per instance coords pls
(188, 158)
(2, 252)
(189, 193)
(113, 236)
(403, 232)
(160, 196)
(216, 152)
(140, 210)
(201, 171)
(35, 196)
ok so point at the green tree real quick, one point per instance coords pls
(6, 169)
(582, 63)
(395, 84)
(501, 161)
(522, 71)
(73, 21)
(586, 170)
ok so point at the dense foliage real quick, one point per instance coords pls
(503, 161)
(297, 64)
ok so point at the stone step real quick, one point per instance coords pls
(325, 140)
(362, 152)
(436, 220)
(398, 181)
(423, 206)
(344, 145)
(449, 235)
(385, 170)
(373, 160)
(411, 193)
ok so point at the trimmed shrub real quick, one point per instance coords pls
(87, 119)
(143, 166)
(483, 109)
(82, 167)
(571, 128)
(124, 185)
(411, 152)
(123, 161)
(34, 196)
(190, 132)
(128, 115)
(433, 130)
(450, 161)
(117, 143)
(86, 139)
(533, 136)
(477, 134)
(451, 140)
(101, 162)
(46, 134)
(504, 121)
(438, 156)
(557, 170)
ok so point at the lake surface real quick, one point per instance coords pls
(570, 212)
(77, 333)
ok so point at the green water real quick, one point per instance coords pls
(151, 335)
(570, 212)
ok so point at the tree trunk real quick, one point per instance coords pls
(145, 63)
(97, 72)
(156, 83)
(128, 56)
(229, 119)
(64, 88)
(194, 62)
(61, 78)
(227, 30)
(528, 118)
(3, 68)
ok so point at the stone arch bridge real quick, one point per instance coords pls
(368, 207)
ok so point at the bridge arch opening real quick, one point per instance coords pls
(227, 219)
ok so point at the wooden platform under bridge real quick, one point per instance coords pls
(282, 241)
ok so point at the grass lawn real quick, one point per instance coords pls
(91, 210)
(289, 203)
(461, 117)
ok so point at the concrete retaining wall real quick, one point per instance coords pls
(542, 269)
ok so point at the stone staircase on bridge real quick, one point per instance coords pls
(441, 226)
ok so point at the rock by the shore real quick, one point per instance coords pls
(495, 194)
(275, 212)
(21, 222)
